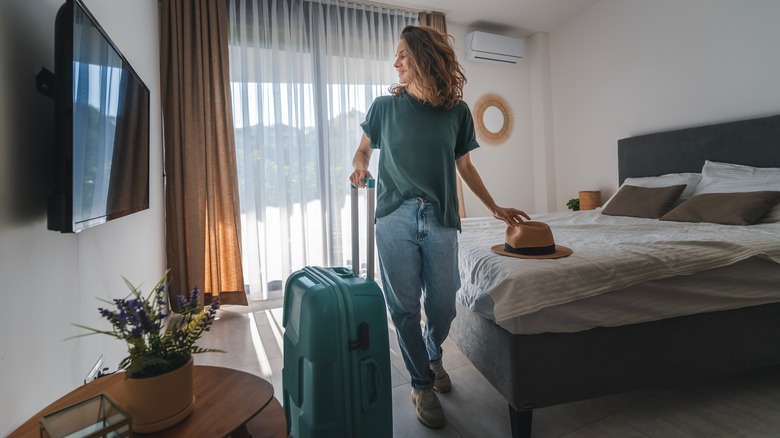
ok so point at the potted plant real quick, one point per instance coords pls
(158, 367)
(573, 204)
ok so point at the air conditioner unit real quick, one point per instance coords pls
(483, 46)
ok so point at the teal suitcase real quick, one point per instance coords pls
(336, 375)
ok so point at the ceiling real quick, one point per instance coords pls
(517, 17)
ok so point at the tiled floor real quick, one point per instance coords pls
(739, 405)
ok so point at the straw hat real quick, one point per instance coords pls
(531, 240)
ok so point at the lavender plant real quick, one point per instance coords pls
(157, 341)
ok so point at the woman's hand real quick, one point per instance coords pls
(511, 216)
(358, 177)
(360, 163)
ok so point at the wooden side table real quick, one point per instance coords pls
(225, 400)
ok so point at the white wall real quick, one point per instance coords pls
(49, 280)
(628, 67)
(507, 170)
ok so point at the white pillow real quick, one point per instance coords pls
(691, 180)
(731, 178)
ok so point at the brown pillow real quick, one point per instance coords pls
(649, 202)
(741, 208)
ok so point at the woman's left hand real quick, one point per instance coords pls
(511, 216)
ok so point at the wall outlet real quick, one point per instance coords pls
(95, 372)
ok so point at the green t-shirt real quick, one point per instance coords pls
(419, 145)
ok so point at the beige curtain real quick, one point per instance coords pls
(202, 211)
(129, 170)
(437, 21)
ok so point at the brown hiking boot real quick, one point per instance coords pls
(429, 410)
(442, 383)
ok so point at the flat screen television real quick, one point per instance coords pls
(101, 146)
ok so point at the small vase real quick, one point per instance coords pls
(159, 402)
(590, 199)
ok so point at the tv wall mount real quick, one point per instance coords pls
(44, 82)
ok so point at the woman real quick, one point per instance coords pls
(425, 131)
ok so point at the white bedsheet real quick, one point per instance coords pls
(610, 253)
(751, 282)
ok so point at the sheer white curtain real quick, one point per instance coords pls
(303, 75)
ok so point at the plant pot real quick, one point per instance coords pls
(159, 402)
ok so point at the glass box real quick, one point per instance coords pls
(98, 416)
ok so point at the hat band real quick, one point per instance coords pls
(533, 251)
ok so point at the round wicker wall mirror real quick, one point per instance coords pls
(493, 119)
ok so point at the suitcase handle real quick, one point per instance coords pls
(342, 272)
(371, 384)
(370, 183)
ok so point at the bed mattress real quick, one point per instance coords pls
(750, 282)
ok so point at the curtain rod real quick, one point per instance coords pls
(385, 5)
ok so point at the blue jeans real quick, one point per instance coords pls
(418, 258)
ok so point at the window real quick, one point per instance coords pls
(303, 75)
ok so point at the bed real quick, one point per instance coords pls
(533, 367)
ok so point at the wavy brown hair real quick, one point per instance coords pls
(434, 66)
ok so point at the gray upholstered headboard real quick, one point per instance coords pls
(754, 142)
